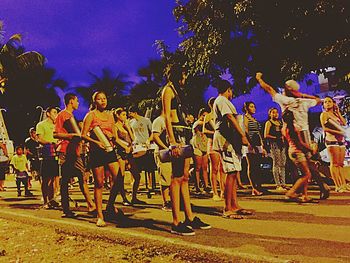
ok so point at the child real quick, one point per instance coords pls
(19, 163)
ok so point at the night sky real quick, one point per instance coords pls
(78, 37)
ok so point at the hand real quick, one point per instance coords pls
(245, 140)
(101, 145)
(313, 147)
(336, 110)
(175, 149)
(258, 76)
(264, 152)
(127, 149)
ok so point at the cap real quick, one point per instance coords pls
(292, 85)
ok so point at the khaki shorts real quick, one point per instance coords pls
(231, 162)
(165, 172)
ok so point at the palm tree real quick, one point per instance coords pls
(115, 87)
(14, 59)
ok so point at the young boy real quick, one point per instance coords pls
(19, 163)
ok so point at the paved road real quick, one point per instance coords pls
(278, 232)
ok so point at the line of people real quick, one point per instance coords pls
(219, 138)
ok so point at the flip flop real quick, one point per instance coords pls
(243, 212)
(308, 201)
(232, 216)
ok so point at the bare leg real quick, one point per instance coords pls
(84, 188)
(334, 168)
(185, 191)
(198, 161)
(175, 198)
(205, 169)
(98, 179)
(114, 168)
(214, 162)
(302, 182)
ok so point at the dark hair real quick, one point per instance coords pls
(117, 112)
(93, 98)
(222, 85)
(288, 118)
(49, 109)
(173, 73)
(68, 97)
(246, 106)
(201, 111)
(134, 109)
(269, 112)
(329, 98)
(19, 147)
(211, 102)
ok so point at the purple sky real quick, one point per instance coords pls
(78, 37)
(81, 36)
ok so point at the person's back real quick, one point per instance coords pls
(141, 128)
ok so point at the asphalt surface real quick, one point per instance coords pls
(279, 231)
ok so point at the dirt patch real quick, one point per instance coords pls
(37, 242)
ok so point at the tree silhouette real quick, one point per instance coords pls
(26, 85)
(285, 39)
(115, 87)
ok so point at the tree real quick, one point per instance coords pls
(114, 86)
(26, 83)
(285, 39)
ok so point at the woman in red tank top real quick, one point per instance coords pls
(100, 156)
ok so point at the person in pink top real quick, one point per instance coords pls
(70, 161)
(99, 123)
(335, 142)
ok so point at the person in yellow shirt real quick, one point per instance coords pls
(19, 163)
(49, 168)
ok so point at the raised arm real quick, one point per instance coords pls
(264, 85)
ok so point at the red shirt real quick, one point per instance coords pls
(61, 118)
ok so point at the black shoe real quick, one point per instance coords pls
(196, 224)
(28, 194)
(54, 204)
(112, 215)
(324, 194)
(137, 202)
(182, 229)
(69, 214)
(19, 193)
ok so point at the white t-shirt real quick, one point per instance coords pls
(222, 106)
(158, 126)
(298, 106)
(141, 128)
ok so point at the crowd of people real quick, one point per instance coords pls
(208, 150)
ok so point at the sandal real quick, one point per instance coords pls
(243, 212)
(230, 215)
(256, 193)
(307, 200)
